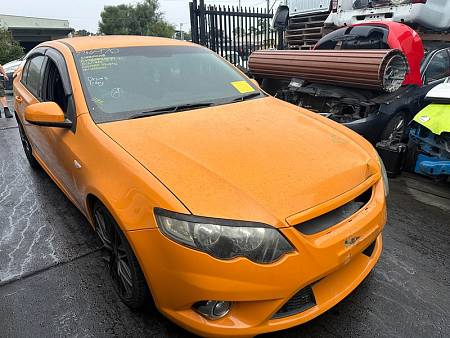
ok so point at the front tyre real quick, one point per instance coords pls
(124, 269)
(411, 156)
(27, 147)
(396, 128)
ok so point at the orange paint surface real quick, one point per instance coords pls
(261, 160)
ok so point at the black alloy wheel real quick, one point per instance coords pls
(396, 128)
(124, 269)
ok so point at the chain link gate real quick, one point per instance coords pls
(230, 31)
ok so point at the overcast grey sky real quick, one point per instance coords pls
(85, 14)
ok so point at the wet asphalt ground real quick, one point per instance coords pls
(54, 282)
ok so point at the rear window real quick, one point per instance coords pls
(32, 74)
(356, 37)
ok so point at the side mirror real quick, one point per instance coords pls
(46, 114)
(281, 18)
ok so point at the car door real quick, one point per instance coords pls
(62, 142)
(27, 91)
(434, 69)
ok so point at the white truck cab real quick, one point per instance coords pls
(431, 14)
(301, 7)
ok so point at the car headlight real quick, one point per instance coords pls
(384, 176)
(224, 239)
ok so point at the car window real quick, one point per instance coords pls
(53, 89)
(25, 73)
(33, 79)
(356, 37)
(120, 82)
(439, 67)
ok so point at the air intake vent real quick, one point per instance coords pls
(301, 301)
(335, 216)
(369, 250)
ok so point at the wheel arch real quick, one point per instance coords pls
(403, 110)
(91, 199)
(132, 211)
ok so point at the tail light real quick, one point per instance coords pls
(334, 5)
(418, 1)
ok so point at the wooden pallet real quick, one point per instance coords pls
(304, 31)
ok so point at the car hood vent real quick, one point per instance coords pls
(335, 216)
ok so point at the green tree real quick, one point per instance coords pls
(82, 32)
(9, 48)
(187, 36)
(143, 18)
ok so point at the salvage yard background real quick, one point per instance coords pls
(54, 279)
(54, 282)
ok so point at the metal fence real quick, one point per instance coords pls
(230, 31)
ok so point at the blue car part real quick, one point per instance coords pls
(432, 151)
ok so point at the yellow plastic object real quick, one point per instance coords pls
(242, 87)
(435, 117)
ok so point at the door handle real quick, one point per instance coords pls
(19, 99)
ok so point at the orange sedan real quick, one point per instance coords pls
(236, 212)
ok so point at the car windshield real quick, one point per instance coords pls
(122, 83)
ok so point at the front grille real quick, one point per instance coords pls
(335, 216)
(301, 301)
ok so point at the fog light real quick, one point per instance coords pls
(213, 309)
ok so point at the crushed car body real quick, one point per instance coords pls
(432, 14)
(429, 138)
(374, 113)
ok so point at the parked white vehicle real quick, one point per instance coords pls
(10, 68)
(440, 93)
(300, 7)
(432, 14)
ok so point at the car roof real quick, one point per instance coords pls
(117, 41)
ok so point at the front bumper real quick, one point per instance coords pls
(425, 15)
(179, 277)
(370, 127)
(432, 166)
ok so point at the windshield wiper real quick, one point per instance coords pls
(245, 97)
(190, 106)
(172, 109)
